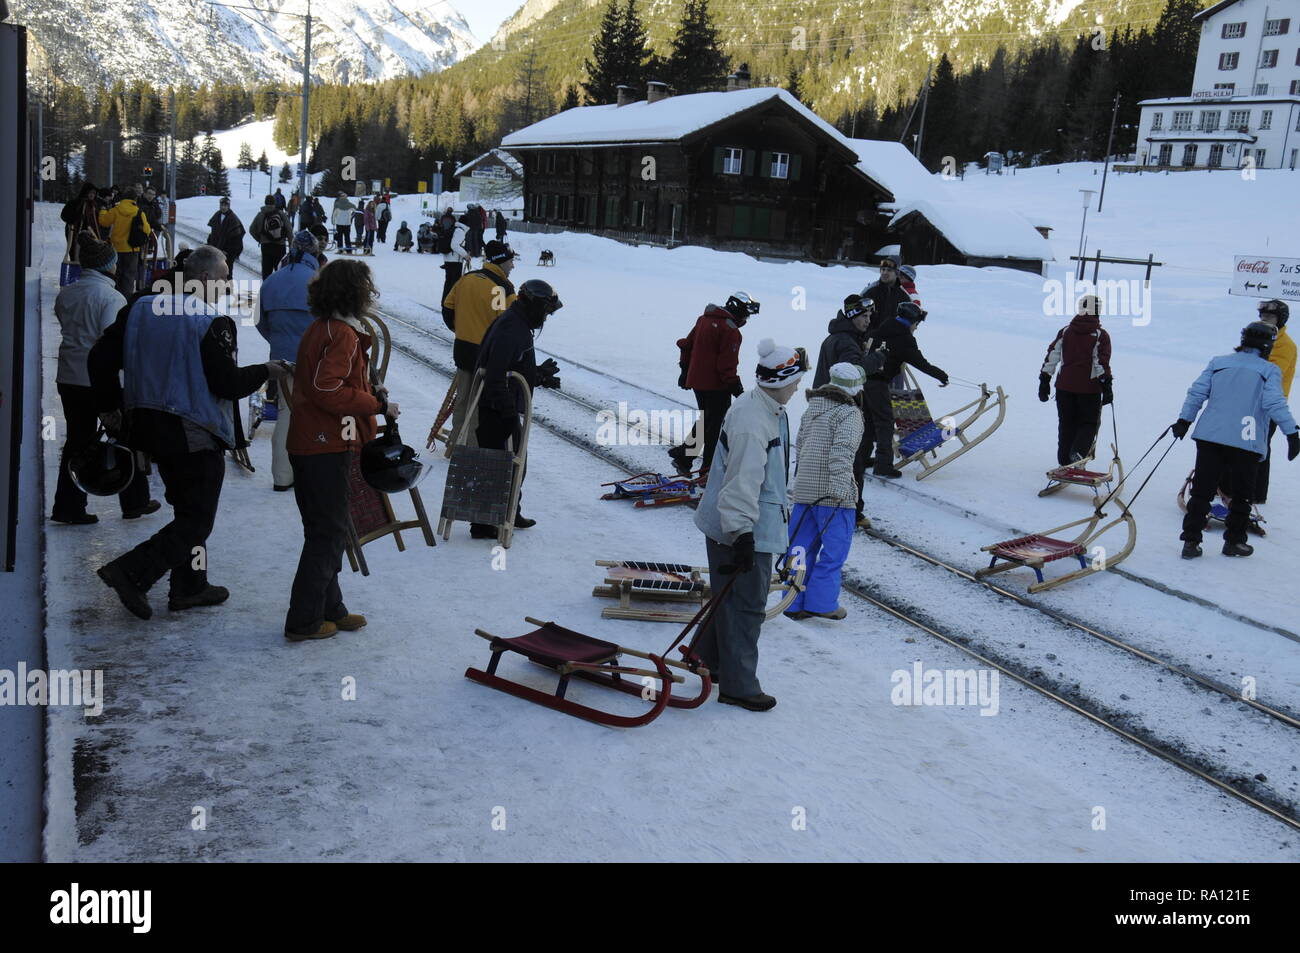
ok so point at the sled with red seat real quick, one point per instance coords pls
(655, 489)
(640, 582)
(919, 438)
(1077, 474)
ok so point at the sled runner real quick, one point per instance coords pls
(546, 258)
(439, 429)
(483, 483)
(631, 581)
(571, 654)
(1077, 474)
(1219, 509)
(919, 438)
(655, 489)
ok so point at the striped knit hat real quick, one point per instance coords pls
(848, 377)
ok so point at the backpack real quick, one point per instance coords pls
(137, 236)
(273, 227)
(386, 215)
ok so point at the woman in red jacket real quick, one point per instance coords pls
(334, 408)
(1082, 351)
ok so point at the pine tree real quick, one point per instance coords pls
(214, 166)
(263, 164)
(606, 70)
(792, 84)
(526, 103)
(697, 63)
(635, 50)
(571, 100)
(285, 174)
(245, 157)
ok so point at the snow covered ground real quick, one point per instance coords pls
(211, 709)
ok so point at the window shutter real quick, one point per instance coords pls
(747, 168)
(741, 220)
(718, 154)
(765, 165)
(724, 221)
(1286, 26)
(796, 162)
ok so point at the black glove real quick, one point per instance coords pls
(742, 551)
(1107, 393)
(1293, 445)
(548, 374)
(737, 389)
(681, 380)
(1180, 428)
(941, 377)
(449, 318)
(1044, 387)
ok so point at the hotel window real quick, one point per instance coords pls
(1238, 118)
(1234, 31)
(1261, 89)
(1216, 156)
(1259, 158)
(1228, 60)
(1230, 87)
(1189, 154)
(1266, 119)
(1276, 27)
(780, 165)
(732, 161)
(1182, 120)
(1209, 120)
(1295, 87)
(1268, 59)
(1157, 121)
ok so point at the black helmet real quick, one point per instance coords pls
(1258, 335)
(540, 297)
(389, 465)
(1277, 307)
(741, 306)
(102, 468)
(911, 311)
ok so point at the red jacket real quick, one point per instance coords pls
(331, 383)
(1082, 350)
(711, 352)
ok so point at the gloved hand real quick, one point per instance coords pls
(1107, 393)
(1293, 445)
(548, 374)
(112, 421)
(742, 551)
(737, 389)
(1180, 428)
(1044, 387)
(681, 380)
(943, 379)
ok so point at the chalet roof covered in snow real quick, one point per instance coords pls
(894, 167)
(500, 155)
(982, 231)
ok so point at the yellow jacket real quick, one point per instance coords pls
(1283, 355)
(118, 218)
(472, 299)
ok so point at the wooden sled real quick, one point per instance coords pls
(439, 430)
(483, 484)
(1219, 509)
(631, 581)
(655, 489)
(919, 437)
(571, 654)
(1077, 474)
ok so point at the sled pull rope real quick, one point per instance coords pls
(702, 617)
(1111, 494)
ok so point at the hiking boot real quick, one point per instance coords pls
(523, 522)
(281, 489)
(864, 522)
(759, 702)
(324, 631)
(797, 616)
(350, 622)
(1191, 550)
(837, 614)
(207, 596)
(889, 473)
(482, 531)
(153, 506)
(132, 596)
(1237, 549)
(74, 519)
(682, 463)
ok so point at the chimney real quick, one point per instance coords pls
(655, 91)
(739, 79)
(624, 95)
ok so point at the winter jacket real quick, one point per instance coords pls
(844, 343)
(258, 228)
(895, 336)
(404, 238)
(85, 309)
(154, 213)
(81, 212)
(746, 492)
(1283, 355)
(1244, 392)
(459, 244)
(469, 310)
(711, 352)
(282, 315)
(118, 220)
(886, 298)
(279, 200)
(829, 434)
(331, 389)
(371, 220)
(227, 233)
(507, 346)
(342, 212)
(1082, 349)
(473, 223)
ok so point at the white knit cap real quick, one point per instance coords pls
(848, 377)
(778, 365)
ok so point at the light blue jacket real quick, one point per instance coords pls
(746, 492)
(1244, 392)
(282, 315)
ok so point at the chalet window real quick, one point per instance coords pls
(779, 167)
(1216, 156)
(638, 214)
(1268, 59)
(550, 162)
(1276, 27)
(1238, 118)
(1234, 31)
(732, 161)
(1266, 119)
(611, 212)
(1182, 120)
(1209, 120)
(1228, 60)
(1189, 154)
(1259, 158)
(1157, 121)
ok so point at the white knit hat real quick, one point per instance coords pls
(848, 377)
(778, 365)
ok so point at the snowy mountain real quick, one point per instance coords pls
(197, 41)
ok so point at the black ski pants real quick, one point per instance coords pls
(1077, 418)
(320, 486)
(272, 253)
(878, 432)
(82, 423)
(1234, 469)
(1261, 475)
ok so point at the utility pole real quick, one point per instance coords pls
(109, 142)
(306, 95)
(40, 148)
(1110, 140)
(171, 178)
(925, 101)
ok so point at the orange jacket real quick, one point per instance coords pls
(333, 404)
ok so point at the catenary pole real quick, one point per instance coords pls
(1110, 141)
(306, 95)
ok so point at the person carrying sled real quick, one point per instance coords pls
(895, 338)
(403, 240)
(508, 346)
(1275, 314)
(81, 213)
(710, 354)
(847, 342)
(1236, 396)
(745, 523)
(270, 229)
(885, 292)
(826, 494)
(1081, 350)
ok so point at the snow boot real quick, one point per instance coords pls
(1191, 550)
(153, 506)
(482, 531)
(75, 519)
(207, 596)
(350, 622)
(324, 631)
(1237, 549)
(836, 615)
(132, 596)
(682, 463)
(864, 522)
(523, 522)
(889, 473)
(797, 616)
(759, 702)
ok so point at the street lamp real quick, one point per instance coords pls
(1087, 203)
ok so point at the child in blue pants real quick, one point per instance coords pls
(822, 535)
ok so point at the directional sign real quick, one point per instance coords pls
(1265, 276)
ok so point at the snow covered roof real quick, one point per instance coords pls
(894, 167)
(500, 155)
(1219, 101)
(984, 231)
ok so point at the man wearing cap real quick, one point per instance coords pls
(825, 491)
(745, 522)
(846, 341)
(476, 300)
(886, 293)
(84, 309)
(282, 318)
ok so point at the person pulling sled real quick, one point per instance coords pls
(1081, 350)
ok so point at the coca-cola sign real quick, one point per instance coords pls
(1259, 267)
(1265, 277)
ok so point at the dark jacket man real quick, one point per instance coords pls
(270, 229)
(226, 232)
